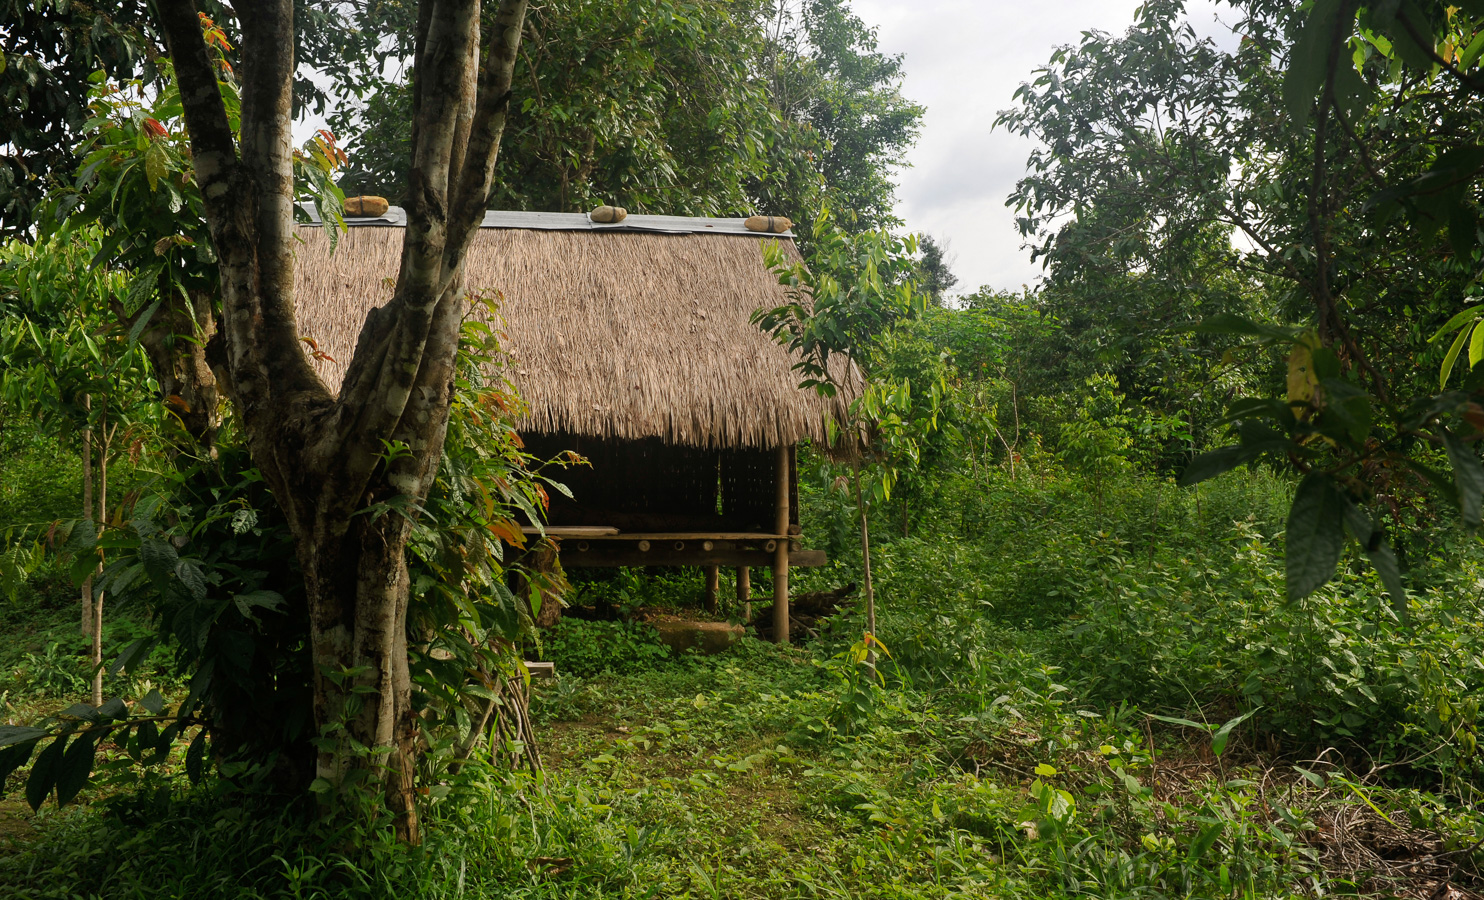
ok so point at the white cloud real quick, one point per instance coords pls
(963, 61)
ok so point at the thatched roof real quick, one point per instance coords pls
(633, 334)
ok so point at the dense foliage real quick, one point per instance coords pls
(688, 107)
(1107, 656)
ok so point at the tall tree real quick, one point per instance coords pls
(1355, 206)
(934, 271)
(850, 123)
(348, 470)
(703, 107)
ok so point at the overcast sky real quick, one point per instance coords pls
(964, 60)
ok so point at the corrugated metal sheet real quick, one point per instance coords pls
(548, 221)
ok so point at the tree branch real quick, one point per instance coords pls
(474, 182)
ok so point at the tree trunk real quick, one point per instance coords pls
(348, 470)
(866, 584)
(87, 512)
(178, 340)
(97, 604)
(713, 584)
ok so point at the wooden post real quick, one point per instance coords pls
(780, 552)
(744, 592)
(713, 582)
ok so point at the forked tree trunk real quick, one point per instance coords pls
(176, 340)
(348, 469)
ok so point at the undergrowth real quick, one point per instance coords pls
(1076, 698)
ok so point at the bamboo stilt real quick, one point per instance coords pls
(744, 592)
(780, 552)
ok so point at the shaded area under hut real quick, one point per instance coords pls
(633, 346)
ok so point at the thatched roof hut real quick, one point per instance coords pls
(632, 344)
(639, 330)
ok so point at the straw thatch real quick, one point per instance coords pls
(615, 335)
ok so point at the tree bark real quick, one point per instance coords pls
(96, 613)
(348, 470)
(176, 341)
(870, 590)
(713, 583)
(87, 512)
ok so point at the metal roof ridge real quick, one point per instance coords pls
(396, 217)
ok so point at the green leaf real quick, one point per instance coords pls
(75, 767)
(131, 656)
(1468, 476)
(1476, 347)
(159, 558)
(1224, 733)
(1185, 722)
(1398, 21)
(1203, 842)
(12, 758)
(1313, 778)
(154, 701)
(1309, 60)
(196, 757)
(1373, 540)
(80, 711)
(1213, 463)
(142, 322)
(1472, 52)
(1349, 406)
(1352, 94)
(1463, 231)
(17, 734)
(83, 568)
(269, 600)
(1315, 535)
(1472, 314)
(155, 164)
(44, 773)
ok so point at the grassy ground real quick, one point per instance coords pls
(1052, 722)
(747, 775)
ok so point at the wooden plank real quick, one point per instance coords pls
(585, 531)
(541, 669)
(599, 556)
(616, 535)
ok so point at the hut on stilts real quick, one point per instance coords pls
(632, 345)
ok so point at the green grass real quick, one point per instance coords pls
(1011, 749)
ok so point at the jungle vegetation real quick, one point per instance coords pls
(1170, 566)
